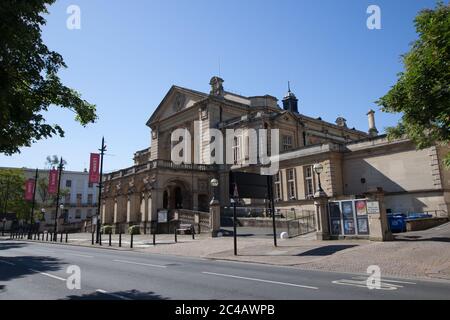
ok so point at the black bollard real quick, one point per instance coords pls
(100, 239)
(120, 239)
(67, 236)
(60, 240)
(175, 233)
(110, 235)
(92, 242)
(193, 232)
(131, 242)
(154, 239)
(34, 236)
(46, 238)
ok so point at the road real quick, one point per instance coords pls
(39, 271)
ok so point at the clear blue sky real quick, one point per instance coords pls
(128, 54)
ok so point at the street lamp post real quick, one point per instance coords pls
(214, 184)
(61, 166)
(318, 168)
(100, 186)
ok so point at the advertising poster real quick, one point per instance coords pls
(363, 226)
(361, 207)
(347, 209)
(349, 226)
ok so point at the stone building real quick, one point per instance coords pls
(354, 161)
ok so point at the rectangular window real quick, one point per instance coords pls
(291, 183)
(278, 196)
(89, 213)
(89, 199)
(90, 184)
(77, 214)
(68, 183)
(237, 149)
(287, 142)
(309, 182)
(67, 198)
(79, 199)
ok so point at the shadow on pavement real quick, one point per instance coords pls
(118, 295)
(422, 239)
(11, 245)
(326, 250)
(17, 267)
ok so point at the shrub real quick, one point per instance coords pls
(134, 230)
(107, 229)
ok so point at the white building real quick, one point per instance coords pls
(80, 202)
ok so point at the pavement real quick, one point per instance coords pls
(36, 270)
(414, 255)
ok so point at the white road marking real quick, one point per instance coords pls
(141, 264)
(78, 255)
(387, 280)
(363, 284)
(261, 280)
(113, 294)
(7, 262)
(49, 275)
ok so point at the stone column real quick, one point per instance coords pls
(322, 221)
(214, 219)
(378, 224)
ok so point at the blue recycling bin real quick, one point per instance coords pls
(397, 222)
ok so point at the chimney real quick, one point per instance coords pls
(373, 132)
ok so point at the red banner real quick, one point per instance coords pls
(29, 189)
(94, 168)
(53, 181)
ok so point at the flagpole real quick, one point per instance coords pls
(57, 199)
(32, 204)
(100, 186)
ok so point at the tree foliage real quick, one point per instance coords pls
(422, 92)
(29, 84)
(12, 190)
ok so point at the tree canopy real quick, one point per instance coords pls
(12, 189)
(422, 92)
(29, 82)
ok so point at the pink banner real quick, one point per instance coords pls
(29, 189)
(94, 174)
(53, 181)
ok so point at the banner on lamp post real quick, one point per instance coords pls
(53, 181)
(29, 189)
(94, 168)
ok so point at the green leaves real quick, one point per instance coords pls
(422, 92)
(29, 83)
(12, 189)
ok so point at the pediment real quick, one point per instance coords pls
(176, 100)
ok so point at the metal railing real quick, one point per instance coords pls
(301, 225)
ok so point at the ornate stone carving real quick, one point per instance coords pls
(149, 182)
(179, 102)
(131, 186)
(216, 87)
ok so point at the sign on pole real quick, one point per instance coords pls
(94, 168)
(29, 189)
(53, 181)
